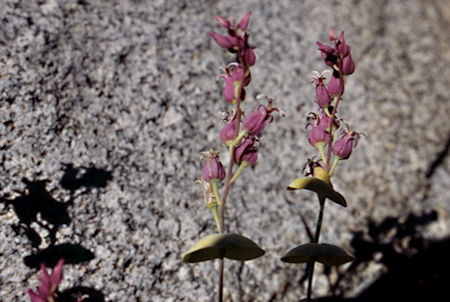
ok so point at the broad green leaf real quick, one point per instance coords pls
(230, 246)
(324, 253)
(318, 186)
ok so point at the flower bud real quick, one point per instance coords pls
(318, 136)
(322, 97)
(343, 48)
(324, 122)
(246, 152)
(232, 80)
(329, 54)
(244, 22)
(332, 36)
(344, 145)
(213, 169)
(223, 41)
(256, 121)
(334, 85)
(227, 135)
(223, 22)
(249, 57)
(348, 66)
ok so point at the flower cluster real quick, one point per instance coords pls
(242, 144)
(48, 288)
(325, 124)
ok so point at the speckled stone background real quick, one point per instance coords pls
(105, 106)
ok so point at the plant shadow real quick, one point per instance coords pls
(36, 205)
(416, 269)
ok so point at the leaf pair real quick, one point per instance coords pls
(230, 246)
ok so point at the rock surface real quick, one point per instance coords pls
(106, 105)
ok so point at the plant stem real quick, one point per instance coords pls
(228, 183)
(316, 240)
(221, 279)
(333, 115)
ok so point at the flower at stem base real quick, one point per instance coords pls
(213, 170)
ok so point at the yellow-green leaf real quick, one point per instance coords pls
(325, 253)
(230, 246)
(318, 186)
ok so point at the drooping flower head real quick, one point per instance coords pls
(344, 145)
(237, 39)
(322, 97)
(256, 121)
(246, 152)
(213, 170)
(234, 75)
(228, 133)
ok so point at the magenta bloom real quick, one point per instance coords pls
(243, 24)
(334, 85)
(232, 80)
(246, 152)
(322, 97)
(348, 66)
(329, 54)
(223, 41)
(342, 47)
(237, 39)
(256, 121)
(49, 284)
(344, 145)
(213, 169)
(227, 135)
(317, 136)
(324, 122)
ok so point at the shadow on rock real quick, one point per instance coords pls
(81, 293)
(87, 177)
(71, 253)
(37, 200)
(416, 268)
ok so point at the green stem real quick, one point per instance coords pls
(316, 240)
(226, 190)
(239, 138)
(333, 167)
(215, 187)
(213, 207)
(322, 154)
(239, 171)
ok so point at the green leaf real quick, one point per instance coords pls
(230, 246)
(318, 186)
(324, 253)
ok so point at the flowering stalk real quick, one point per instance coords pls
(242, 150)
(324, 126)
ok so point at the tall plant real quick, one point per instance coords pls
(241, 137)
(325, 128)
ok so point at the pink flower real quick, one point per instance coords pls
(213, 169)
(344, 145)
(329, 54)
(246, 152)
(348, 66)
(237, 39)
(334, 85)
(232, 81)
(256, 121)
(49, 284)
(322, 97)
(324, 122)
(227, 135)
(317, 136)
